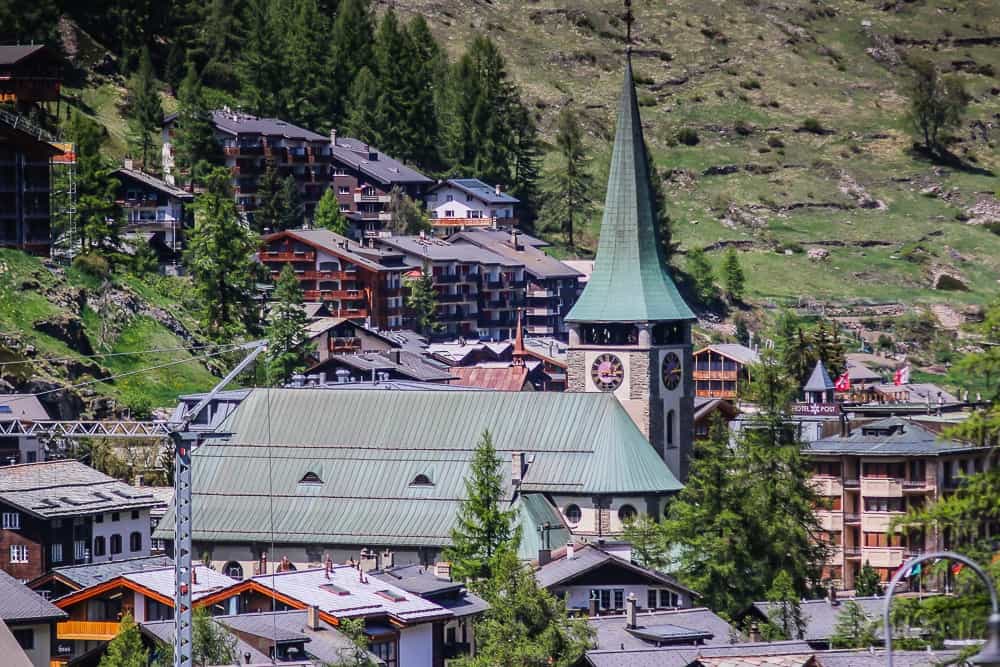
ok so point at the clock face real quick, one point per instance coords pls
(671, 371)
(607, 372)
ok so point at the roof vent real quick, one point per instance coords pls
(372, 156)
(421, 480)
(390, 595)
(310, 478)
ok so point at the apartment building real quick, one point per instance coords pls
(29, 73)
(363, 178)
(875, 473)
(552, 286)
(352, 281)
(478, 290)
(153, 206)
(458, 204)
(25, 188)
(720, 370)
(250, 144)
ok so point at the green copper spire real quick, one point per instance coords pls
(630, 281)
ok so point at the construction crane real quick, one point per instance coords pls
(184, 442)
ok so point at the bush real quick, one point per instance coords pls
(775, 142)
(743, 128)
(750, 84)
(813, 125)
(688, 136)
(92, 264)
(646, 100)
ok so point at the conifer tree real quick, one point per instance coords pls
(569, 185)
(329, 216)
(210, 643)
(126, 649)
(732, 273)
(699, 271)
(392, 70)
(527, 158)
(286, 329)
(145, 110)
(270, 201)
(408, 216)
(853, 629)
(785, 616)
(483, 527)
(828, 348)
(422, 302)
(260, 67)
(173, 69)
(867, 583)
(218, 257)
(306, 80)
(292, 210)
(525, 625)
(661, 213)
(428, 69)
(99, 216)
(144, 261)
(351, 51)
(195, 147)
(362, 122)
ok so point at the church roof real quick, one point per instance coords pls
(820, 379)
(630, 281)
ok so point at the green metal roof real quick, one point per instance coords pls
(630, 281)
(367, 447)
(534, 511)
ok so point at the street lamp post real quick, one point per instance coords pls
(989, 656)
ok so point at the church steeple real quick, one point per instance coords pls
(630, 281)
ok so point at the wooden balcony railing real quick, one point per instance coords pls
(713, 393)
(87, 630)
(461, 222)
(715, 375)
(275, 256)
(331, 295)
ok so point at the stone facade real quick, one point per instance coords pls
(576, 371)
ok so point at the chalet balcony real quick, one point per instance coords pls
(98, 631)
(540, 330)
(536, 292)
(337, 345)
(360, 198)
(331, 295)
(729, 394)
(447, 278)
(286, 256)
(731, 376)
(542, 312)
(317, 275)
(461, 222)
(882, 487)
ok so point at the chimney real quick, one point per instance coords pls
(570, 551)
(513, 239)
(328, 566)
(442, 570)
(630, 613)
(833, 596)
(516, 467)
(322, 378)
(592, 607)
(544, 556)
(395, 355)
(755, 635)
(497, 189)
(312, 617)
(333, 136)
(128, 164)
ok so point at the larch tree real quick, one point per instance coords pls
(786, 619)
(306, 97)
(145, 110)
(483, 526)
(210, 643)
(329, 216)
(867, 583)
(569, 185)
(408, 216)
(393, 67)
(428, 69)
(702, 278)
(853, 628)
(195, 147)
(422, 302)
(291, 211)
(218, 256)
(126, 649)
(286, 329)
(733, 276)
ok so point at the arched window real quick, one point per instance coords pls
(573, 514)
(421, 480)
(626, 513)
(116, 543)
(233, 569)
(670, 428)
(99, 546)
(310, 478)
(135, 541)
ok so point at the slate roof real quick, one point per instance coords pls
(630, 281)
(368, 446)
(860, 373)
(414, 366)
(503, 235)
(21, 605)
(456, 352)
(536, 263)
(21, 406)
(370, 258)
(588, 557)
(162, 581)
(438, 250)
(11, 54)
(920, 392)
(819, 380)
(507, 378)
(821, 616)
(92, 574)
(745, 654)
(478, 189)
(420, 580)
(734, 351)
(155, 183)
(235, 122)
(163, 631)
(386, 169)
(893, 436)
(67, 488)
(611, 632)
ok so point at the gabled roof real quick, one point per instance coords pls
(704, 406)
(536, 262)
(478, 189)
(612, 632)
(156, 584)
(163, 632)
(368, 446)
(434, 249)
(10, 55)
(21, 407)
(155, 183)
(820, 379)
(91, 574)
(630, 281)
(341, 246)
(919, 392)
(236, 123)
(420, 580)
(561, 570)
(734, 351)
(890, 437)
(508, 378)
(386, 169)
(412, 366)
(821, 615)
(19, 604)
(53, 489)
(858, 372)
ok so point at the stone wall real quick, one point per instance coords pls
(576, 371)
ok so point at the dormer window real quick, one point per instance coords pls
(421, 480)
(310, 478)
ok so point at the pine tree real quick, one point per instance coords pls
(100, 217)
(144, 261)
(350, 52)
(483, 527)
(292, 211)
(145, 110)
(361, 122)
(569, 185)
(428, 69)
(867, 583)
(699, 272)
(356, 654)
(853, 629)
(210, 643)
(392, 70)
(260, 67)
(828, 348)
(329, 216)
(785, 616)
(527, 158)
(195, 147)
(645, 537)
(286, 333)
(525, 625)
(306, 94)
(126, 649)
(408, 216)
(661, 213)
(173, 70)
(269, 214)
(733, 275)
(422, 302)
(218, 257)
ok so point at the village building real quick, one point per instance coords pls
(20, 448)
(154, 210)
(391, 364)
(792, 653)
(706, 410)
(353, 281)
(64, 512)
(643, 630)
(25, 187)
(552, 286)
(31, 620)
(364, 178)
(723, 370)
(328, 336)
(66, 579)
(820, 616)
(872, 474)
(458, 204)
(29, 74)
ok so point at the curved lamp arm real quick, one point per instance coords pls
(994, 621)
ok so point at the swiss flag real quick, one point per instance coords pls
(843, 383)
(901, 376)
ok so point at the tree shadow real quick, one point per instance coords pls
(945, 158)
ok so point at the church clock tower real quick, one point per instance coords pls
(630, 331)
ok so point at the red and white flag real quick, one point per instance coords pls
(843, 383)
(902, 375)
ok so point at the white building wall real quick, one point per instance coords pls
(138, 606)
(416, 646)
(578, 597)
(41, 653)
(125, 526)
(461, 205)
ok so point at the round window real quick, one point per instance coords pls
(573, 514)
(626, 513)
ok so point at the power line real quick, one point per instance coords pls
(114, 354)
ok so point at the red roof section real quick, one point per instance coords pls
(510, 378)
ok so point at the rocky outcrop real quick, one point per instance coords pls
(68, 329)
(986, 211)
(58, 401)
